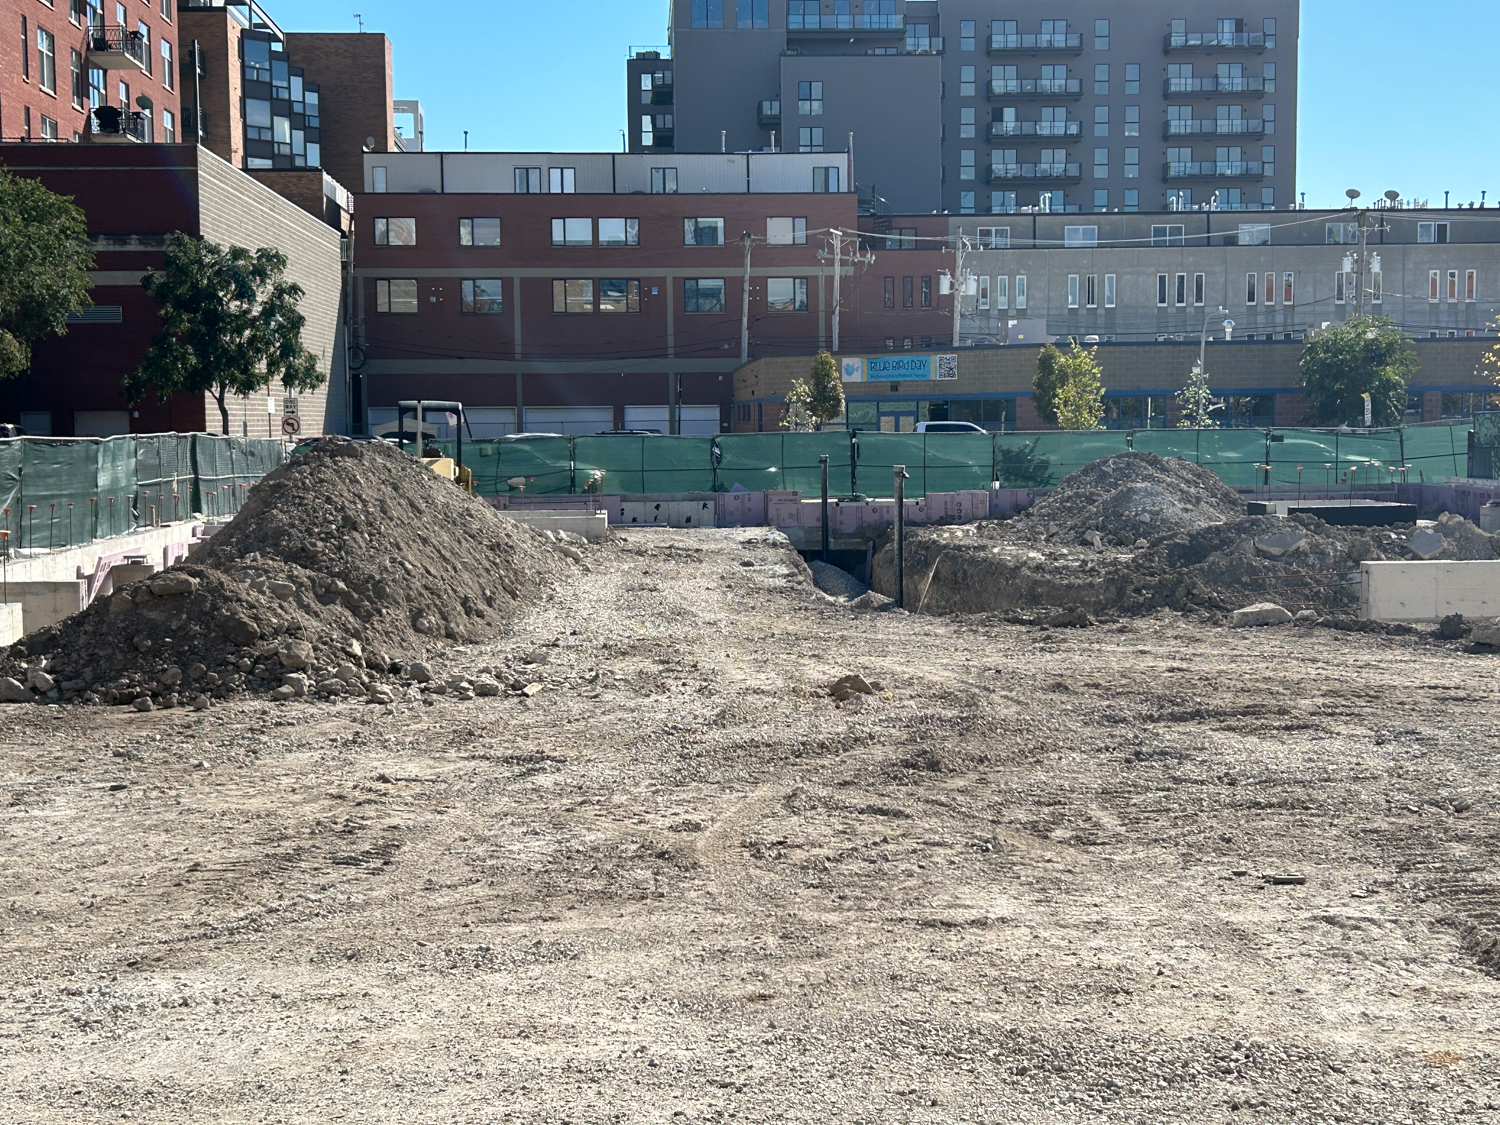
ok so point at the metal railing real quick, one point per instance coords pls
(999, 129)
(1035, 172)
(769, 110)
(1213, 127)
(1053, 42)
(828, 21)
(1238, 84)
(1212, 169)
(1031, 87)
(1218, 41)
(117, 41)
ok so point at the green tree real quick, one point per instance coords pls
(230, 326)
(1197, 403)
(1078, 400)
(1049, 380)
(818, 399)
(44, 267)
(1365, 355)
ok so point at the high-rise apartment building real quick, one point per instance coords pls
(969, 107)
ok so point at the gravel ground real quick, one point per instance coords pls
(1022, 883)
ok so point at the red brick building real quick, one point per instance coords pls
(60, 59)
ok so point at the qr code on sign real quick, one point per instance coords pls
(947, 367)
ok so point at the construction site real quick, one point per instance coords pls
(855, 777)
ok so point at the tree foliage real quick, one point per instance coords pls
(1489, 365)
(1197, 403)
(45, 260)
(1068, 390)
(818, 399)
(1365, 355)
(230, 326)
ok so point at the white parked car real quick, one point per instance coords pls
(950, 428)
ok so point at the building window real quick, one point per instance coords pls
(786, 231)
(1133, 199)
(1270, 289)
(395, 232)
(994, 238)
(49, 128)
(1161, 290)
(664, 181)
(1109, 290)
(1101, 121)
(1072, 290)
(1286, 288)
(708, 13)
(1341, 234)
(966, 80)
(1181, 290)
(46, 61)
(1252, 288)
(1091, 291)
(377, 180)
(1471, 286)
(1452, 285)
(1101, 164)
(966, 164)
(1101, 35)
(573, 232)
(752, 15)
(1170, 234)
(1376, 286)
(1101, 78)
(1020, 290)
(167, 70)
(703, 232)
(966, 125)
(619, 295)
(479, 232)
(966, 36)
(826, 179)
(481, 296)
(1269, 27)
(574, 295)
(1198, 288)
(927, 292)
(619, 232)
(562, 181)
(983, 302)
(1268, 76)
(1132, 121)
(703, 295)
(1431, 232)
(75, 72)
(145, 39)
(890, 294)
(166, 9)
(1254, 234)
(1002, 292)
(786, 294)
(966, 203)
(396, 296)
(809, 99)
(168, 127)
(1133, 79)
(908, 292)
(810, 140)
(1101, 200)
(528, 181)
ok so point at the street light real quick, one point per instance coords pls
(1223, 314)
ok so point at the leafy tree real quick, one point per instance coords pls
(230, 325)
(44, 267)
(1365, 355)
(1049, 380)
(817, 400)
(1197, 403)
(1489, 366)
(1079, 402)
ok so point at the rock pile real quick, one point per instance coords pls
(345, 568)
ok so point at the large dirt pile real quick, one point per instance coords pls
(352, 562)
(1136, 533)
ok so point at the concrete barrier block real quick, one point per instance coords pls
(591, 525)
(47, 603)
(1428, 591)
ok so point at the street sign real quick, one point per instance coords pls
(291, 425)
(291, 405)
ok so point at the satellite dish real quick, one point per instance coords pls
(144, 102)
(1353, 194)
(1392, 196)
(369, 144)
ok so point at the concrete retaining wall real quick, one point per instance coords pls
(591, 525)
(11, 629)
(46, 603)
(1428, 591)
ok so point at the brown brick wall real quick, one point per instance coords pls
(221, 85)
(354, 74)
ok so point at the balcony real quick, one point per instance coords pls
(924, 45)
(1176, 171)
(116, 48)
(1212, 127)
(999, 130)
(768, 114)
(1036, 44)
(1211, 42)
(1035, 173)
(827, 21)
(117, 126)
(1036, 88)
(1209, 87)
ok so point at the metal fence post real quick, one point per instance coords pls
(823, 464)
(901, 475)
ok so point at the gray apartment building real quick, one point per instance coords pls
(967, 107)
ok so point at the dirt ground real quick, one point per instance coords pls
(1023, 883)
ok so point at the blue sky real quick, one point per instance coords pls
(1391, 99)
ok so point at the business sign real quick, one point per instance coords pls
(852, 370)
(911, 368)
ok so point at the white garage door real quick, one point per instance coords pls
(577, 421)
(697, 421)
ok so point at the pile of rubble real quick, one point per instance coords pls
(347, 569)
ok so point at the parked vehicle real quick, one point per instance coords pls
(950, 428)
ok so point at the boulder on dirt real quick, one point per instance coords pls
(13, 691)
(1427, 543)
(173, 584)
(1262, 613)
(1452, 628)
(1070, 619)
(1282, 543)
(1487, 635)
(295, 654)
(419, 673)
(846, 687)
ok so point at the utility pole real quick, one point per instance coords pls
(959, 282)
(748, 241)
(837, 238)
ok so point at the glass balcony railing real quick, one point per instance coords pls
(1052, 42)
(1237, 84)
(1014, 172)
(1036, 87)
(769, 112)
(1213, 170)
(1213, 127)
(1219, 41)
(999, 129)
(829, 21)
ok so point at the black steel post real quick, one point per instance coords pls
(900, 471)
(823, 462)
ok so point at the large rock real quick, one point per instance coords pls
(173, 585)
(239, 630)
(1488, 635)
(419, 672)
(296, 655)
(283, 590)
(1262, 613)
(1281, 543)
(13, 691)
(1427, 544)
(846, 687)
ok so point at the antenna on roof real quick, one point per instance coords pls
(361, 20)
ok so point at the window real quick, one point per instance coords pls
(145, 40)
(966, 123)
(1101, 121)
(703, 232)
(528, 181)
(1020, 290)
(481, 296)
(167, 69)
(1198, 287)
(786, 294)
(1376, 286)
(703, 295)
(619, 232)
(786, 231)
(1132, 163)
(573, 295)
(1132, 121)
(1101, 164)
(46, 61)
(966, 164)
(1341, 234)
(1133, 199)
(966, 202)
(1109, 290)
(890, 292)
(1270, 289)
(708, 13)
(1432, 232)
(1286, 288)
(1091, 291)
(1471, 286)
(1269, 26)
(395, 232)
(396, 296)
(1101, 78)
(983, 301)
(1133, 78)
(168, 127)
(479, 232)
(1003, 203)
(79, 88)
(1267, 159)
(1161, 290)
(664, 181)
(1341, 286)
(1452, 285)
(908, 293)
(26, 65)
(966, 80)
(1254, 234)
(809, 99)
(825, 179)
(810, 139)
(619, 295)
(562, 181)
(994, 238)
(1181, 289)
(1170, 234)
(1072, 290)
(1101, 35)
(377, 180)
(750, 15)
(166, 9)
(49, 128)
(572, 232)
(1252, 288)
(1080, 236)
(966, 39)
(1002, 292)
(927, 292)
